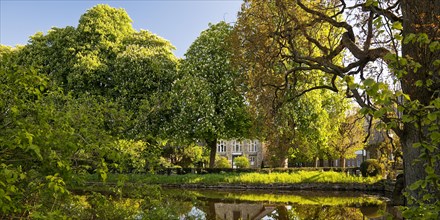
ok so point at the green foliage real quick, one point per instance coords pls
(185, 156)
(69, 104)
(290, 113)
(421, 116)
(242, 162)
(105, 56)
(209, 102)
(104, 207)
(243, 178)
(222, 162)
(349, 137)
(128, 155)
(403, 100)
(425, 204)
(371, 167)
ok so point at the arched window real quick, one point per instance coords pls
(253, 146)
(221, 146)
(236, 145)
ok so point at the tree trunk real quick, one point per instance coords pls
(342, 162)
(316, 162)
(212, 146)
(422, 16)
(284, 163)
(330, 162)
(321, 162)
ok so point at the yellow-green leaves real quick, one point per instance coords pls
(374, 3)
(397, 25)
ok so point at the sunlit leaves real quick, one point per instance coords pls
(68, 96)
(208, 93)
(397, 25)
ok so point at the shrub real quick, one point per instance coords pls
(222, 162)
(371, 167)
(242, 162)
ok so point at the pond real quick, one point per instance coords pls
(182, 204)
(285, 205)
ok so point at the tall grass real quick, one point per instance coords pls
(243, 178)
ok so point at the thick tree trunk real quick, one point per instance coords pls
(422, 16)
(342, 162)
(212, 146)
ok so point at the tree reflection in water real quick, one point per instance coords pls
(229, 206)
(235, 211)
(157, 203)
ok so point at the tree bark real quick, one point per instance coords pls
(342, 162)
(422, 16)
(212, 146)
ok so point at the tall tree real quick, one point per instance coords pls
(292, 118)
(67, 100)
(210, 103)
(350, 136)
(368, 34)
(44, 137)
(105, 56)
(303, 126)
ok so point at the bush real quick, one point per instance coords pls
(371, 167)
(242, 162)
(222, 162)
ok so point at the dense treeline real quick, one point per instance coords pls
(104, 97)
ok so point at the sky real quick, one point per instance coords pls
(179, 21)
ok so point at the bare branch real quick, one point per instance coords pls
(383, 12)
(328, 19)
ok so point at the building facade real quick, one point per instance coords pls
(252, 149)
(361, 156)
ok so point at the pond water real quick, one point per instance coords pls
(234, 205)
(156, 203)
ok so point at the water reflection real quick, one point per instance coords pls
(215, 205)
(156, 203)
(249, 211)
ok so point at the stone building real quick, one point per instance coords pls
(254, 150)
(361, 156)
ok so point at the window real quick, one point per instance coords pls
(253, 146)
(236, 146)
(221, 146)
(252, 160)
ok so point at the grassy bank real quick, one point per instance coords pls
(239, 178)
